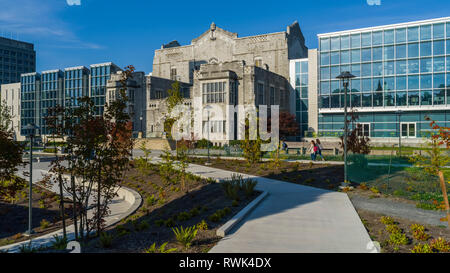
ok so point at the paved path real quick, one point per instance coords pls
(400, 210)
(121, 206)
(293, 218)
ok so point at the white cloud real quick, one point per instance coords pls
(39, 21)
(74, 2)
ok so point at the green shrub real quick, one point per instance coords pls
(170, 222)
(202, 225)
(45, 224)
(183, 216)
(235, 203)
(159, 222)
(231, 189)
(440, 244)
(105, 240)
(425, 248)
(419, 232)
(59, 243)
(185, 236)
(143, 225)
(27, 248)
(150, 200)
(249, 187)
(398, 238)
(161, 249)
(215, 217)
(393, 228)
(387, 220)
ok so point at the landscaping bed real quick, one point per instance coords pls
(397, 235)
(46, 216)
(166, 206)
(325, 176)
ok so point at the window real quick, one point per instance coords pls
(272, 95)
(408, 129)
(260, 94)
(258, 62)
(413, 50)
(325, 44)
(413, 34)
(425, 32)
(363, 129)
(400, 35)
(173, 74)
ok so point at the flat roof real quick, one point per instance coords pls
(412, 23)
(75, 68)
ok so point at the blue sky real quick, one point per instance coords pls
(128, 32)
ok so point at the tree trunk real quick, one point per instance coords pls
(444, 194)
(98, 203)
(74, 205)
(61, 203)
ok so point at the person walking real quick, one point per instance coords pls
(319, 149)
(312, 150)
(285, 147)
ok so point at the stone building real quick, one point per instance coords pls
(10, 93)
(226, 70)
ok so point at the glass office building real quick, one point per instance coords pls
(100, 74)
(51, 96)
(402, 75)
(301, 94)
(29, 100)
(16, 57)
(76, 85)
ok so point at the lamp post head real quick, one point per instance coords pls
(31, 128)
(345, 75)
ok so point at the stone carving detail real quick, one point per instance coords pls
(213, 29)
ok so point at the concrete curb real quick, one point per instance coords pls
(223, 230)
(124, 193)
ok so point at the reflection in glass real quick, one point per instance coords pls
(334, 57)
(413, 82)
(335, 87)
(438, 47)
(345, 42)
(378, 84)
(325, 73)
(389, 83)
(425, 81)
(356, 85)
(335, 101)
(377, 99)
(367, 99)
(356, 100)
(377, 53)
(356, 55)
(378, 69)
(377, 38)
(389, 68)
(413, 50)
(325, 101)
(345, 57)
(356, 70)
(439, 81)
(401, 67)
(325, 87)
(366, 39)
(438, 31)
(400, 35)
(366, 55)
(426, 65)
(438, 97)
(425, 32)
(335, 43)
(366, 85)
(439, 64)
(413, 66)
(389, 99)
(425, 49)
(325, 58)
(355, 40)
(413, 34)
(400, 51)
(401, 98)
(388, 52)
(426, 97)
(325, 44)
(388, 36)
(366, 70)
(400, 83)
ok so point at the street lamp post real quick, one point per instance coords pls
(31, 128)
(142, 131)
(399, 113)
(345, 76)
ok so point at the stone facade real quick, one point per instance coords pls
(10, 93)
(225, 70)
(271, 51)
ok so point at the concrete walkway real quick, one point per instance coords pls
(295, 219)
(126, 203)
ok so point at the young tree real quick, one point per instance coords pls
(356, 141)
(437, 158)
(288, 126)
(173, 99)
(10, 158)
(251, 148)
